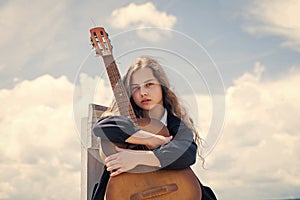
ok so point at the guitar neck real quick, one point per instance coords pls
(118, 87)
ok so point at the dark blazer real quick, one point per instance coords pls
(177, 154)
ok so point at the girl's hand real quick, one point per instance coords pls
(127, 159)
(122, 161)
(149, 139)
(158, 140)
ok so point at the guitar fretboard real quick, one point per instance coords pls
(118, 87)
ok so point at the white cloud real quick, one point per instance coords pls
(89, 90)
(142, 16)
(38, 145)
(258, 154)
(276, 17)
(39, 148)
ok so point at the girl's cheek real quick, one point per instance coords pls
(134, 97)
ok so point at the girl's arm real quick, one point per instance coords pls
(177, 154)
(120, 129)
(148, 139)
(181, 151)
(126, 159)
(116, 129)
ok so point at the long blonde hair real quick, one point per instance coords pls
(170, 100)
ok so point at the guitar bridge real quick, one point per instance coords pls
(154, 192)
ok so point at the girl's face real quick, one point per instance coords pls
(146, 90)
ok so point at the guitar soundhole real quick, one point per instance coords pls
(154, 192)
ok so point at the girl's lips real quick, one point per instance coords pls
(145, 100)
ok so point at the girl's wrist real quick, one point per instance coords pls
(140, 137)
(147, 158)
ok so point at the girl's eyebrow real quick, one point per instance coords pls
(144, 81)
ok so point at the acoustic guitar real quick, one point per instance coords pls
(148, 183)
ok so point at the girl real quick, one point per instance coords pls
(151, 97)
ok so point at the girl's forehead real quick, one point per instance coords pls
(142, 75)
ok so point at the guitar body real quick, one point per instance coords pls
(158, 185)
(142, 182)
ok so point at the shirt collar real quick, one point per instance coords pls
(164, 117)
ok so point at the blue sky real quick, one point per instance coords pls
(235, 65)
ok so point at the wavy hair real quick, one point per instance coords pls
(170, 100)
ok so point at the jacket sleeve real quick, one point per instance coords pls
(180, 152)
(177, 154)
(115, 128)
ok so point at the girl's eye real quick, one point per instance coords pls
(149, 84)
(133, 89)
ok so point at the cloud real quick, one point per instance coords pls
(39, 149)
(142, 16)
(89, 90)
(258, 154)
(39, 142)
(256, 157)
(276, 17)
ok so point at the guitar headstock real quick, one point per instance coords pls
(100, 41)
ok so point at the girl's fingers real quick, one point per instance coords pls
(112, 165)
(111, 157)
(111, 168)
(115, 173)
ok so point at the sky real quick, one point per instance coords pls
(234, 64)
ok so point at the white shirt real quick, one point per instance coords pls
(164, 118)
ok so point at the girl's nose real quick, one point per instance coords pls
(143, 91)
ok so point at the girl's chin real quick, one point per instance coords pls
(150, 106)
(147, 107)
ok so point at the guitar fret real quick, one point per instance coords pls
(120, 93)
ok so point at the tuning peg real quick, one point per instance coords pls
(92, 43)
